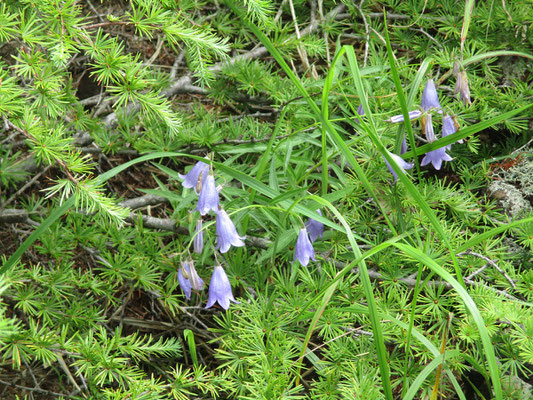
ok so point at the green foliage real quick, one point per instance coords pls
(426, 280)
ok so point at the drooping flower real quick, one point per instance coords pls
(189, 279)
(195, 176)
(430, 99)
(185, 284)
(314, 228)
(436, 157)
(227, 235)
(198, 241)
(448, 127)
(399, 118)
(208, 199)
(400, 162)
(220, 289)
(304, 249)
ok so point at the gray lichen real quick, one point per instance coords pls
(513, 187)
(512, 200)
(522, 175)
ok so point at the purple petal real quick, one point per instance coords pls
(227, 235)
(192, 179)
(198, 241)
(208, 199)
(304, 249)
(399, 118)
(185, 284)
(430, 99)
(315, 228)
(448, 128)
(220, 289)
(428, 128)
(403, 149)
(436, 157)
(400, 162)
(189, 279)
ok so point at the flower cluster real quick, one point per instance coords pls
(304, 250)
(429, 105)
(202, 180)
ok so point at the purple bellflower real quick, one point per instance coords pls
(227, 235)
(220, 289)
(448, 127)
(304, 249)
(198, 241)
(195, 176)
(430, 99)
(400, 162)
(189, 279)
(435, 157)
(208, 199)
(315, 228)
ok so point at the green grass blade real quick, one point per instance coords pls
(465, 132)
(469, 8)
(189, 337)
(53, 217)
(401, 98)
(420, 379)
(410, 187)
(333, 134)
(488, 348)
(375, 314)
(432, 348)
(62, 209)
(469, 244)
(417, 82)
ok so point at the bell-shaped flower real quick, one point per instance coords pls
(399, 118)
(208, 199)
(304, 249)
(227, 235)
(314, 228)
(198, 241)
(448, 127)
(220, 289)
(400, 162)
(189, 279)
(195, 176)
(436, 157)
(430, 99)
